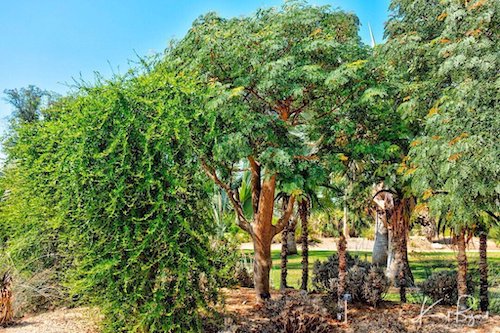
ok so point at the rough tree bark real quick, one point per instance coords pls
(342, 247)
(261, 229)
(284, 259)
(398, 270)
(304, 215)
(483, 271)
(462, 268)
(284, 250)
(292, 243)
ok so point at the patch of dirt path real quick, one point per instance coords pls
(77, 320)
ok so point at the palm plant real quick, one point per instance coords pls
(6, 312)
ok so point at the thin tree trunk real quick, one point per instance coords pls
(462, 269)
(483, 271)
(304, 212)
(284, 250)
(345, 229)
(342, 247)
(292, 243)
(284, 259)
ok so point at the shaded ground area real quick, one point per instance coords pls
(300, 313)
(78, 320)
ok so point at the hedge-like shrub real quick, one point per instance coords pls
(115, 179)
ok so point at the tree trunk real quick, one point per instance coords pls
(304, 214)
(292, 243)
(262, 235)
(399, 269)
(345, 228)
(284, 259)
(284, 249)
(342, 247)
(262, 268)
(483, 271)
(462, 269)
(381, 244)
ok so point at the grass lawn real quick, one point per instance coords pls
(422, 265)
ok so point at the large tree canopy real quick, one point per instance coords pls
(271, 70)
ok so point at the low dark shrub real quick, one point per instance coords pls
(324, 271)
(443, 285)
(375, 286)
(243, 277)
(365, 283)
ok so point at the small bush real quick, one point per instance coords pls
(324, 271)
(375, 286)
(365, 283)
(443, 285)
(243, 277)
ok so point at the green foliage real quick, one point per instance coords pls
(112, 173)
(270, 70)
(452, 94)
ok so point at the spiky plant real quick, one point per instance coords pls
(6, 312)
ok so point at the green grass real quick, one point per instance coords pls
(422, 265)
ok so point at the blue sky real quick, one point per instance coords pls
(47, 43)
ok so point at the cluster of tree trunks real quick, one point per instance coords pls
(392, 216)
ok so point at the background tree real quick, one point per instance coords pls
(454, 96)
(28, 102)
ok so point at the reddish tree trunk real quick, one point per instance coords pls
(262, 237)
(399, 269)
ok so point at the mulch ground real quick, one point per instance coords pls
(298, 312)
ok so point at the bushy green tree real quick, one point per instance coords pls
(444, 56)
(271, 69)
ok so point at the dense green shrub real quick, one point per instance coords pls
(443, 285)
(110, 196)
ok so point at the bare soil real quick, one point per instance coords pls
(64, 320)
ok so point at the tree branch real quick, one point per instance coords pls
(233, 197)
(283, 221)
(255, 172)
(384, 191)
(493, 215)
(312, 157)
